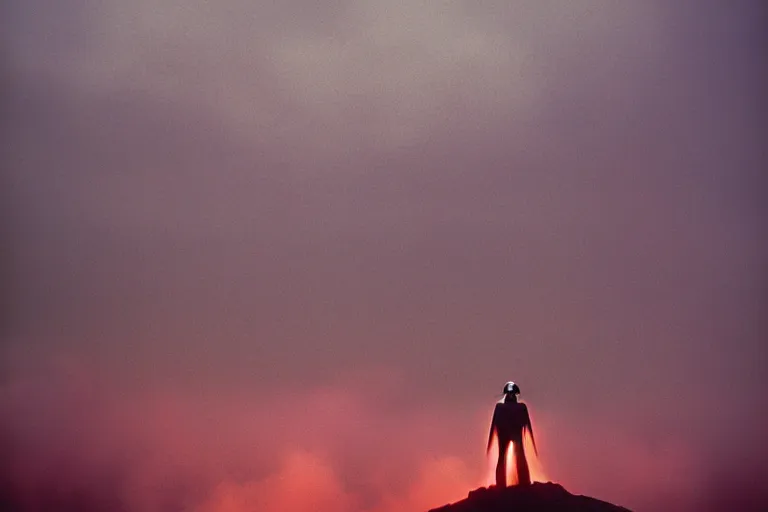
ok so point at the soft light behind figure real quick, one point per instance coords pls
(534, 463)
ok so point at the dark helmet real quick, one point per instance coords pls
(511, 387)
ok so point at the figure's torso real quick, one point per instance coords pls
(511, 418)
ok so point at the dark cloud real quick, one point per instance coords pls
(411, 203)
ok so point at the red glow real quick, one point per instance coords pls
(534, 463)
(234, 453)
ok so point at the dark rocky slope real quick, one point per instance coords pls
(538, 497)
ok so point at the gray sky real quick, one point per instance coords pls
(401, 205)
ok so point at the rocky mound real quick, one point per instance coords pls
(538, 497)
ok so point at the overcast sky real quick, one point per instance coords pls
(254, 247)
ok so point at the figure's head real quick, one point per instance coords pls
(510, 388)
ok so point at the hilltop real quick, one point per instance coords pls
(539, 497)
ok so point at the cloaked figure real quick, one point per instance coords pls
(510, 421)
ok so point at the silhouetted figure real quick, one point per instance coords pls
(510, 420)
